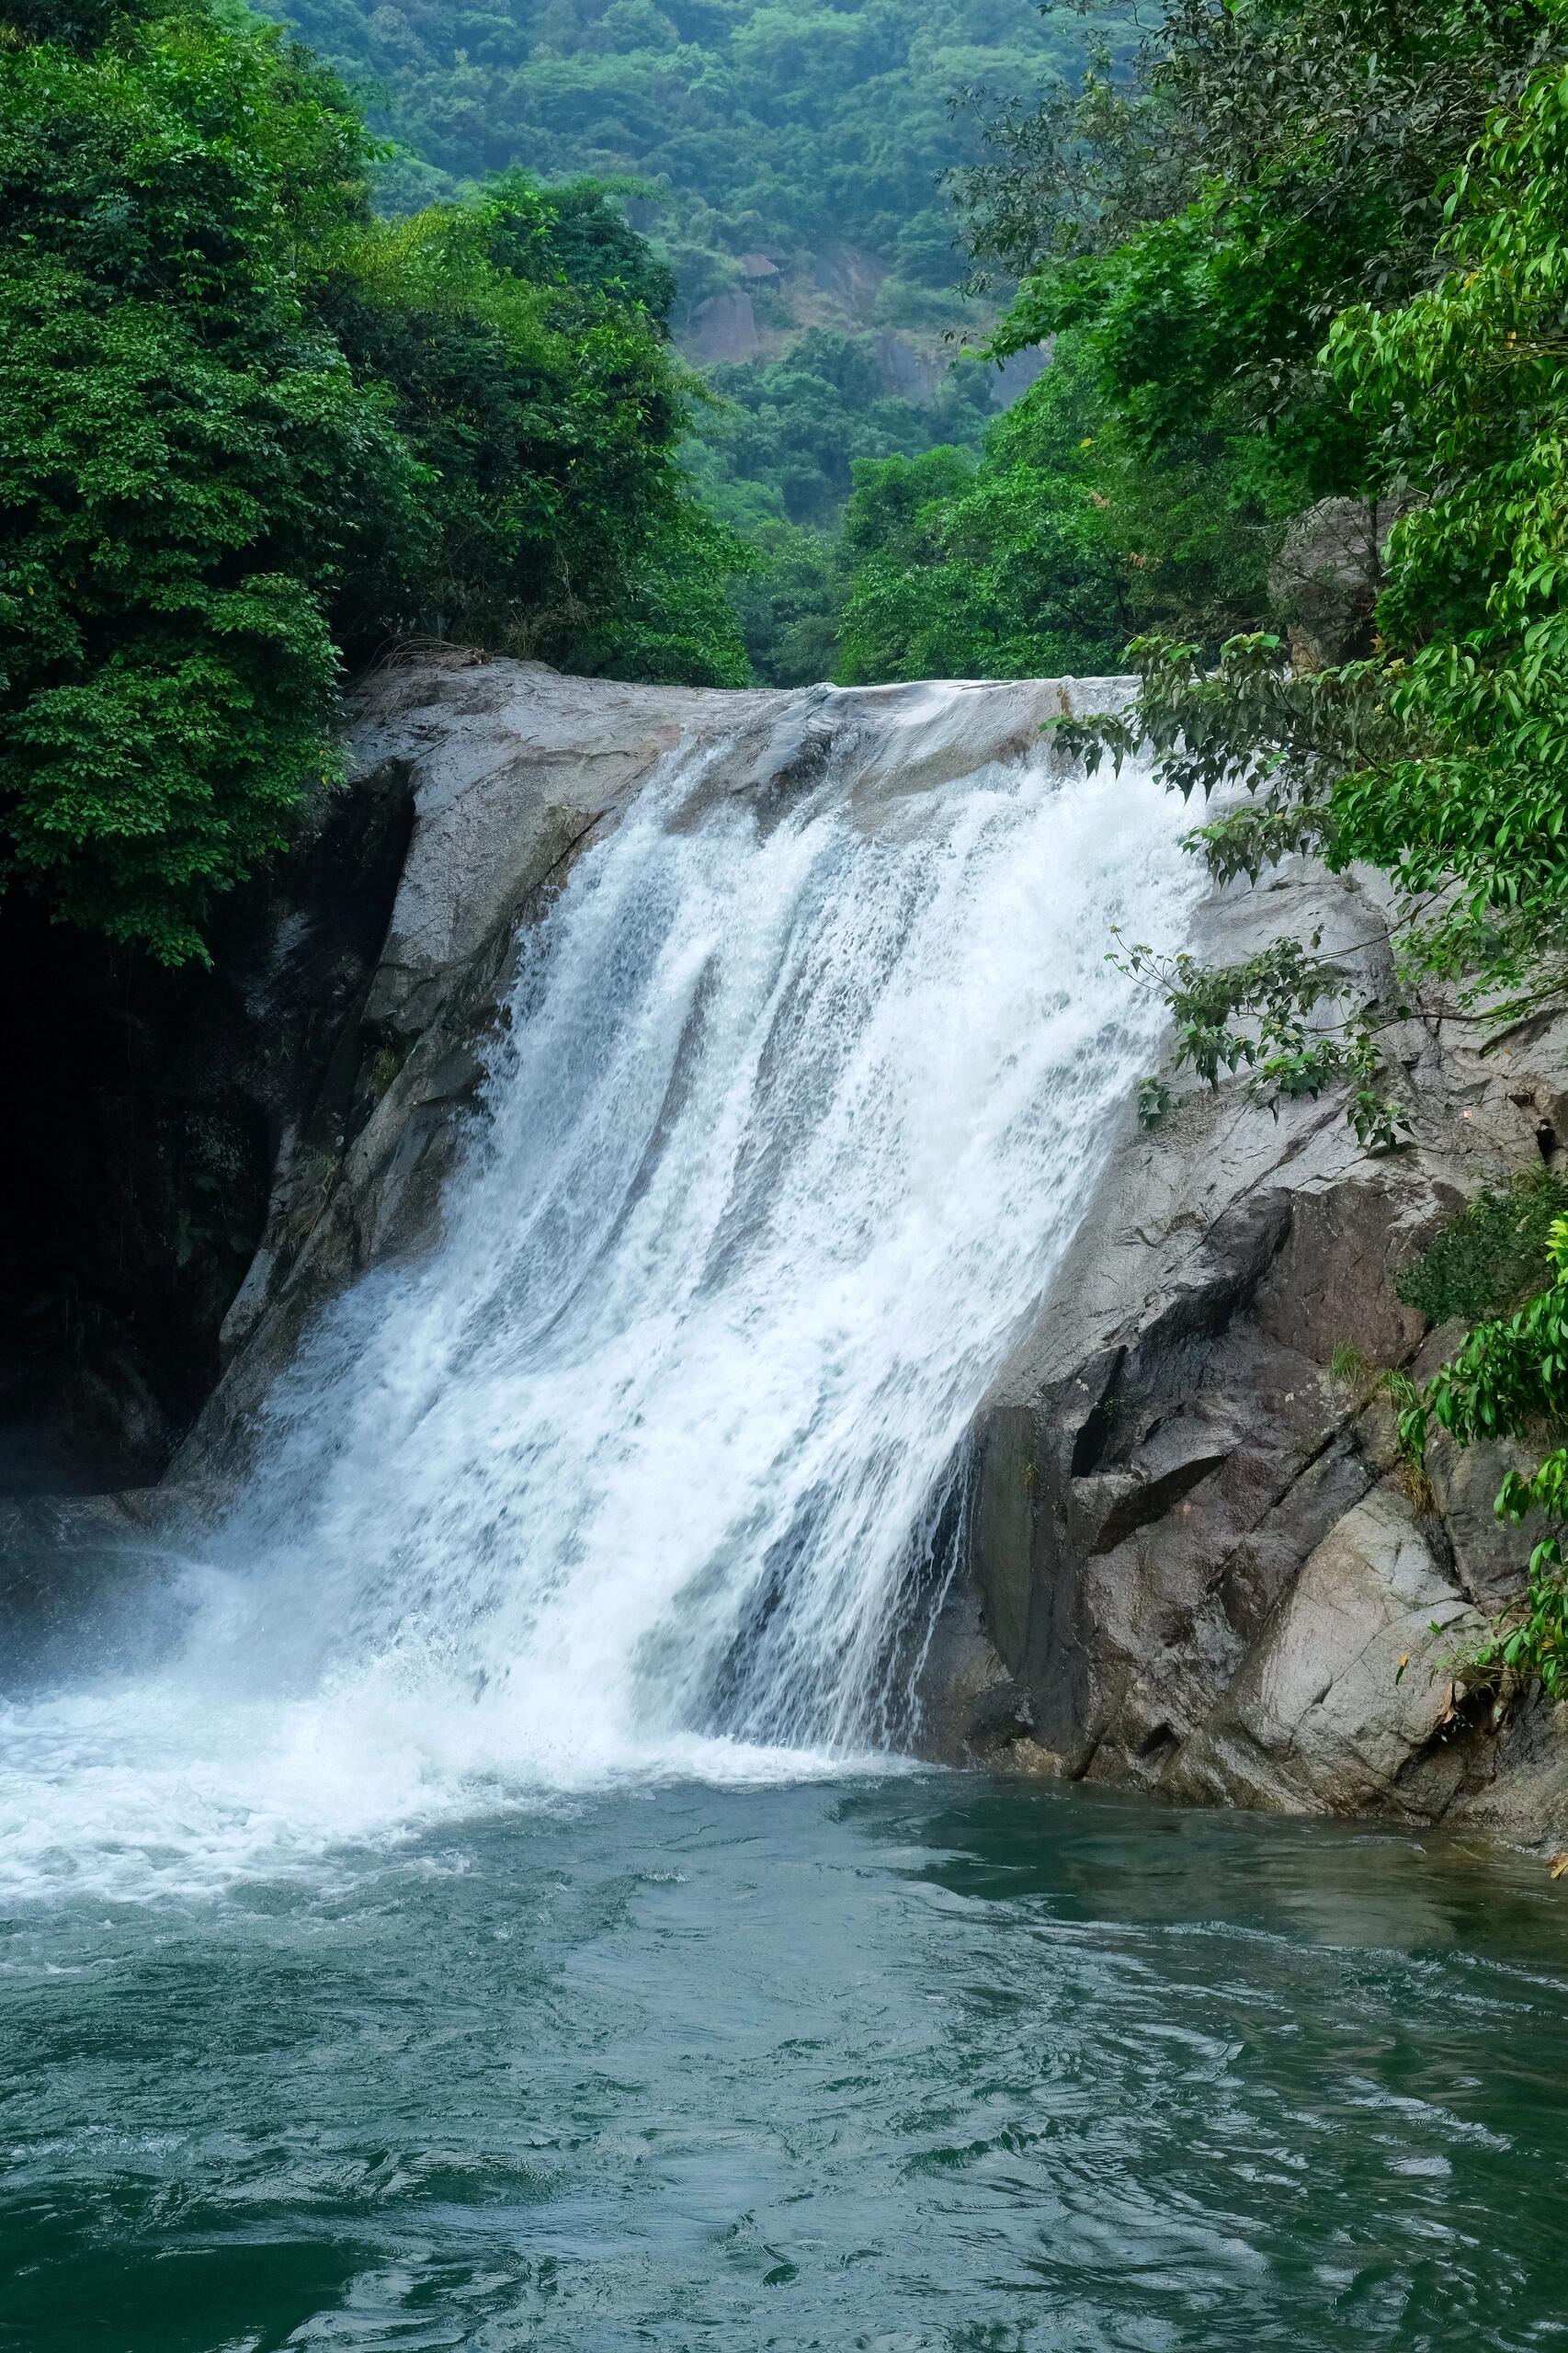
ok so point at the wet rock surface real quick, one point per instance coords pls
(1196, 1561)
(1328, 575)
(510, 770)
(153, 1109)
(1193, 1562)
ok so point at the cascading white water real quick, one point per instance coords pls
(633, 1473)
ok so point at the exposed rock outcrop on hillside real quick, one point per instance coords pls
(723, 330)
(1197, 1563)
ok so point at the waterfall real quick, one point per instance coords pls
(798, 1101)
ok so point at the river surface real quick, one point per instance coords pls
(917, 2063)
(456, 1902)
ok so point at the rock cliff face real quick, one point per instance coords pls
(508, 770)
(1193, 1561)
(151, 1110)
(1196, 1561)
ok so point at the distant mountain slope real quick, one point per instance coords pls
(792, 156)
(796, 149)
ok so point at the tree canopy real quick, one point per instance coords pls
(1322, 242)
(788, 161)
(781, 126)
(250, 433)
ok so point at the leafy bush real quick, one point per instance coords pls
(187, 463)
(1491, 1256)
(1530, 1639)
(1510, 1380)
(1205, 217)
(989, 566)
(245, 430)
(545, 411)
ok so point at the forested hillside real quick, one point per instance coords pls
(802, 140)
(251, 435)
(792, 160)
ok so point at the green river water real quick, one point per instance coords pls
(912, 2063)
(331, 2021)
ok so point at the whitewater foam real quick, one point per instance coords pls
(640, 1470)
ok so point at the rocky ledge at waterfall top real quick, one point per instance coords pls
(511, 770)
(1193, 1562)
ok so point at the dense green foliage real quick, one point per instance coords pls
(755, 125)
(1510, 1380)
(788, 604)
(1190, 232)
(545, 415)
(1440, 758)
(1326, 239)
(1270, 163)
(1044, 554)
(245, 430)
(784, 154)
(777, 460)
(793, 430)
(1489, 1258)
(184, 465)
(989, 569)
